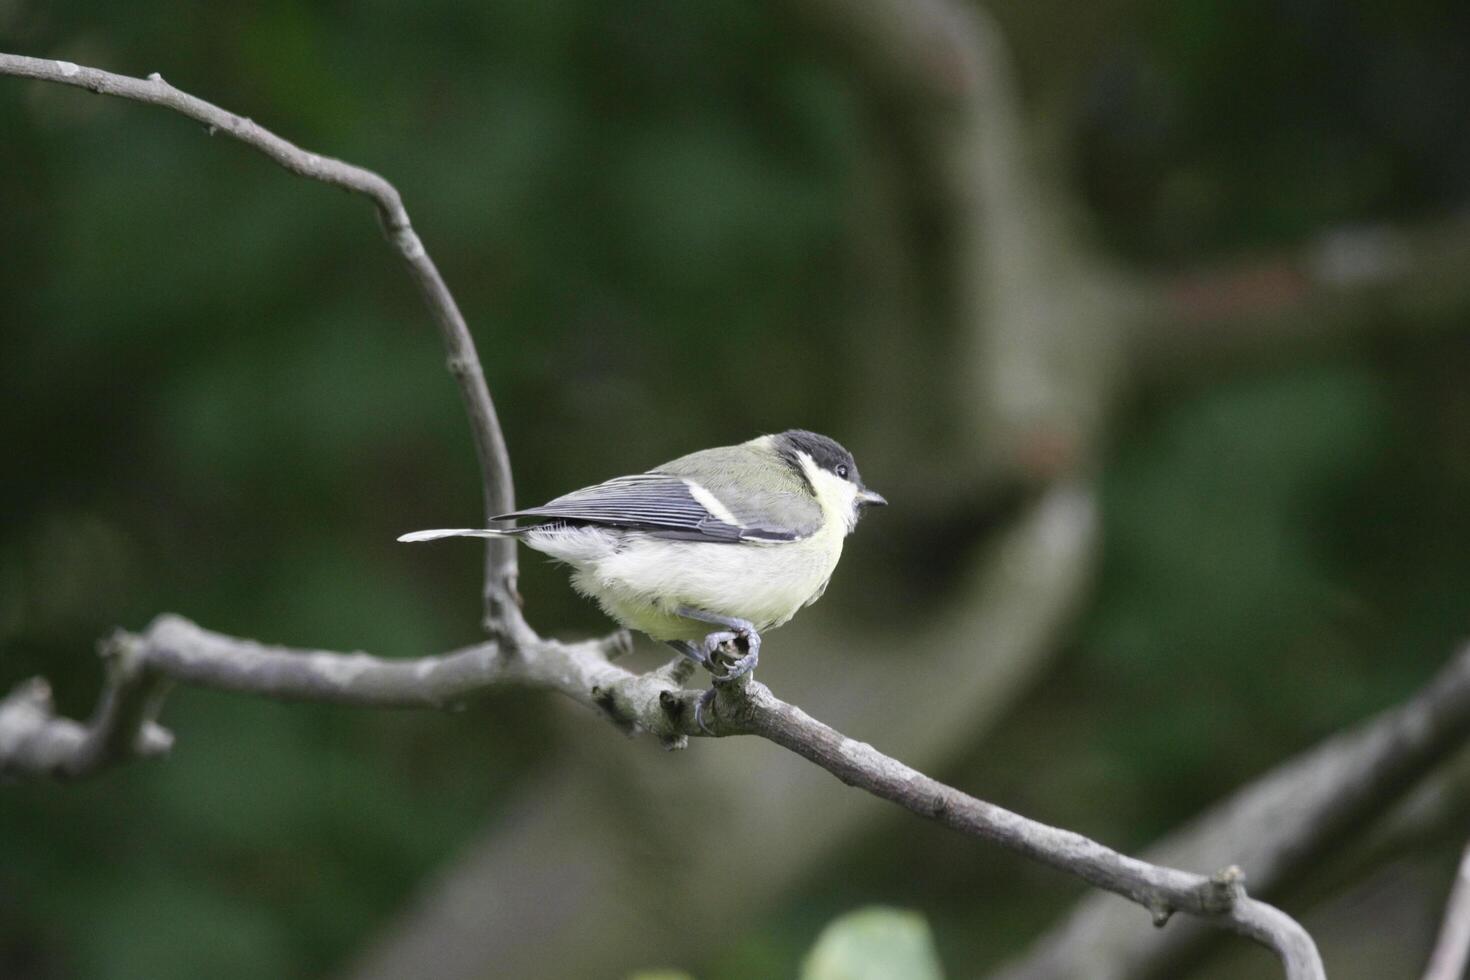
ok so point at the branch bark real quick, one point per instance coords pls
(33, 741)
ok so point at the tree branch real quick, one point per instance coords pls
(1220, 899)
(1273, 828)
(1452, 948)
(33, 741)
(463, 361)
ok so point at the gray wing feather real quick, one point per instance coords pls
(767, 498)
(660, 503)
(656, 503)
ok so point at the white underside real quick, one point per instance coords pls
(640, 580)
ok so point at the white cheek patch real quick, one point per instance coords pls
(837, 496)
(711, 503)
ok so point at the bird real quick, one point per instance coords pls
(713, 548)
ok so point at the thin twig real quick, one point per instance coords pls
(33, 741)
(464, 362)
(1452, 948)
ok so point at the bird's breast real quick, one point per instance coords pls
(642, 582)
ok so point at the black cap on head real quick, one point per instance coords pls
(826, 453)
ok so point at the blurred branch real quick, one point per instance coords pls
(1436, 809)
(464, 362)
(1274, 828)
(36, 742)
(1452, 948)
(1038, 326)
(1344, 282)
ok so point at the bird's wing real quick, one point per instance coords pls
(663, 505)
(747, 487)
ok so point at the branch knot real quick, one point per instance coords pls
(1223, 890)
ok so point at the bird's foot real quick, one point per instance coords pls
(714, 653)
(716, 646)
(740, 635)
(733, 670)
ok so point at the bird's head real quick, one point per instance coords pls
(830, 472)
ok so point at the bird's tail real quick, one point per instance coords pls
(458, 532)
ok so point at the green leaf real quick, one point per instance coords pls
(874, 944)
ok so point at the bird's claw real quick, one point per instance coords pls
(742, 665)
(713, 642)
(739, 668)
(724, 668)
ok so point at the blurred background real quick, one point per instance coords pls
(1150, 320)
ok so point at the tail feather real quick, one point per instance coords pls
(455, 532)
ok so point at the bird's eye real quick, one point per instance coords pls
(842, 470)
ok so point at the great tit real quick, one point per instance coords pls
(712, 548)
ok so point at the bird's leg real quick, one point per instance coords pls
(736, 631)
(697, 655)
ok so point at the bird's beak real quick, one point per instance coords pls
(871, 498)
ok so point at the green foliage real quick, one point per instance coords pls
(874, 944)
